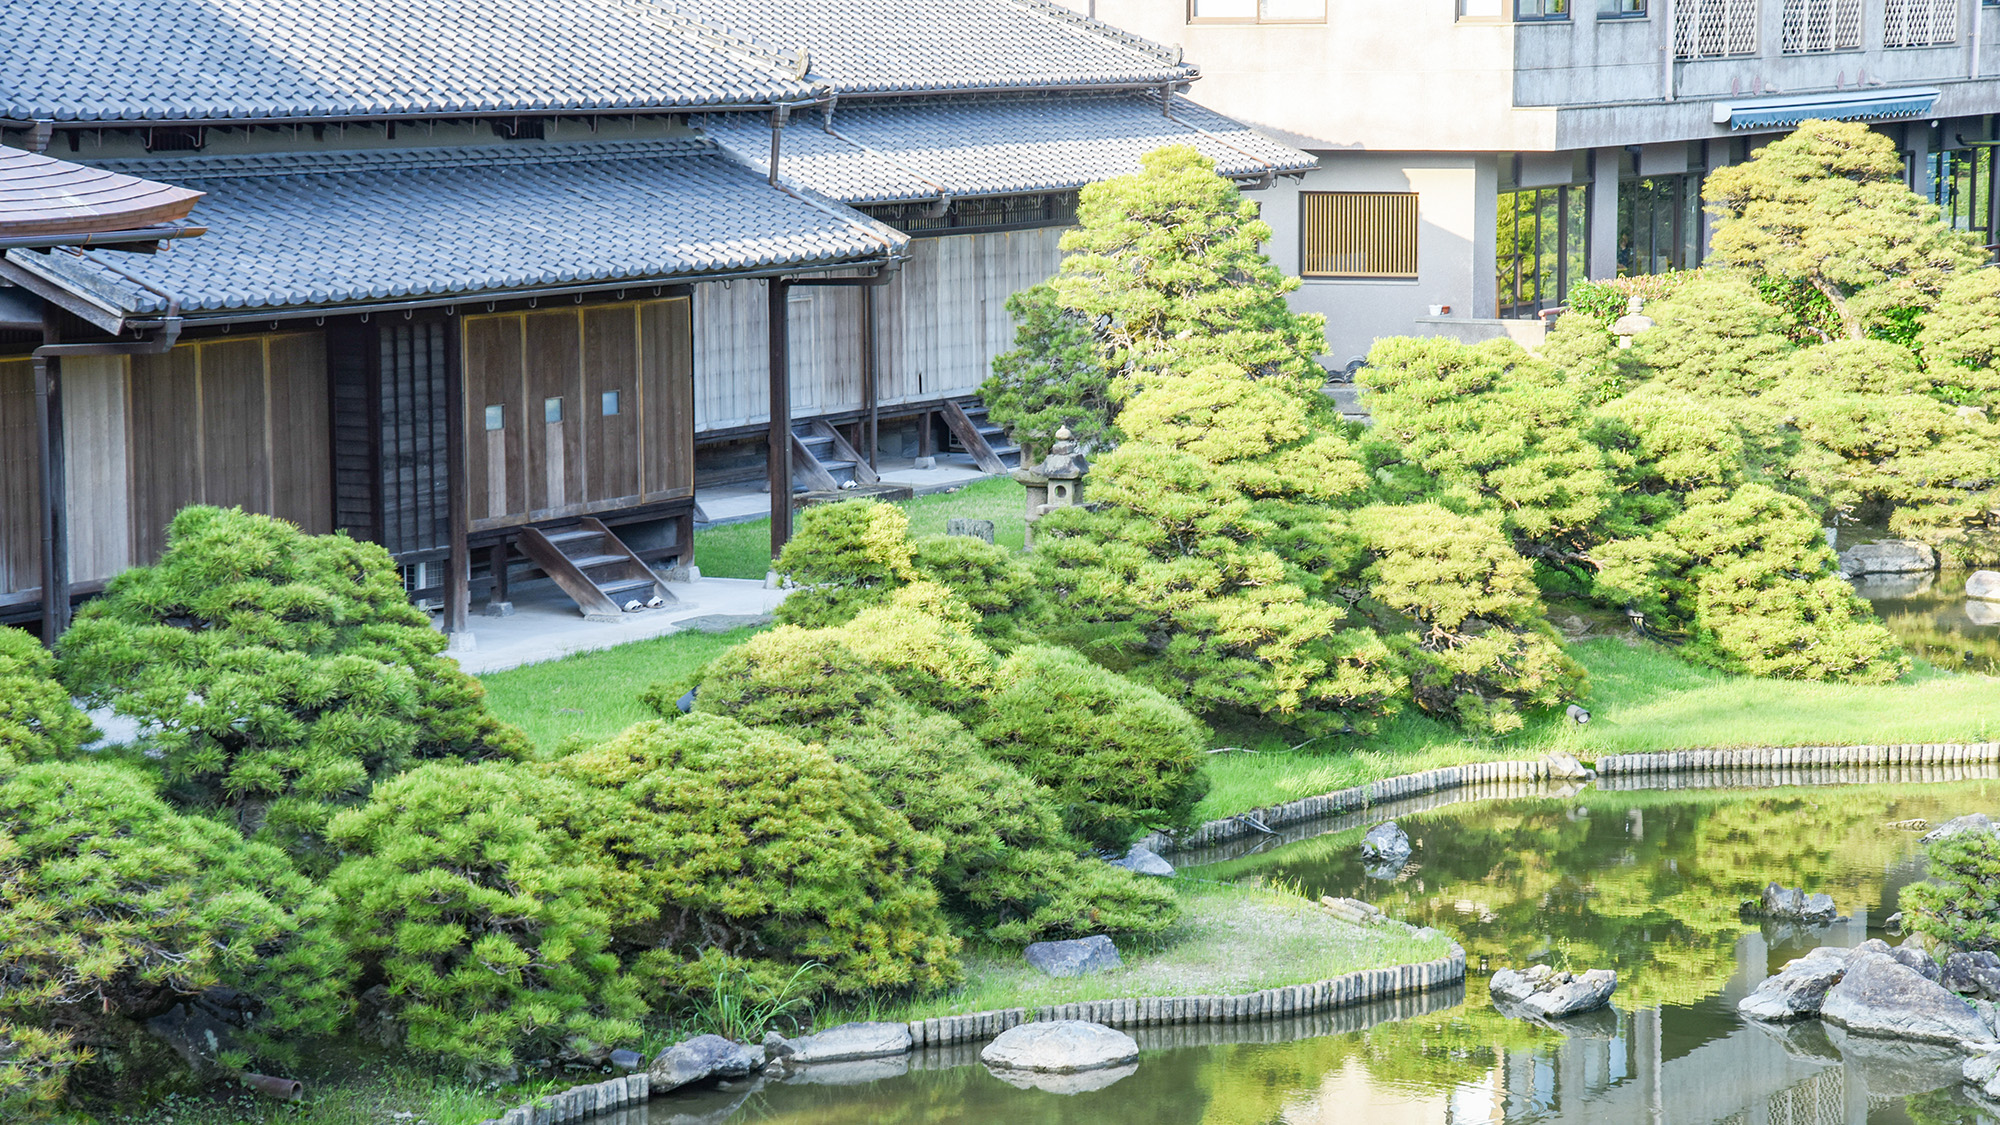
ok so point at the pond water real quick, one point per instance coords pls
(1647, 882)
(1935, 621)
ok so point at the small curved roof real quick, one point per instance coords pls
(41, 196)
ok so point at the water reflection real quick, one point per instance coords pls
(1647, 882)
(1935, 621)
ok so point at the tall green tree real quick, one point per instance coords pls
(1058, 374)
(1827, 205)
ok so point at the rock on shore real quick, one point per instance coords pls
(1880, 995)
(1541, 991)
(1797, 991)
(1060, 1047)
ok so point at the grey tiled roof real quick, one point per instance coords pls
(885, 151)
(872, 46)
(322, 230)
(96, 60)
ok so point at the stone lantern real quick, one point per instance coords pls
(1632, 323)
(1055, 483)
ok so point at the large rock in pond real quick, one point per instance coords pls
(1386, 843)
(702, 1058)
(1076, 958)
(1541, 991)
(1059, 1047)
(1970, 822)
(1792, 904)
(1983, 584)
(1796, 991)
(1972, 974)
(1142, 860)
(1879, 995)
(845, 1043)
(1891, 556)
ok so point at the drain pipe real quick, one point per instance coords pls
(781, 115)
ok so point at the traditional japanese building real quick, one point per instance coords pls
(480, 278)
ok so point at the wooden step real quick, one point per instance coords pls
(592, 562)
(597, 582)
(571, 535)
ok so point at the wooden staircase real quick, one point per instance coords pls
(823, 460)
(972, 432)
(603, 576)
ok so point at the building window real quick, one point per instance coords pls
(1659, 224)
(1482, 9)
(1962, 185)
(1715, 29)
(1358, 234)
(1543, 248)
(1812, 26)
(1622, 10)
(1541, 9)
(1920, 23)
(1258, 11)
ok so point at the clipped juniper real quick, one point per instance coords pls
(114, 908)
(1479, 649)
(1057, 375)
(1121, 759)
(485, 927)
(993, 582)
(1959, 905)
(282, 673)
(1960, 340)
(844, 557)
(38, 723)
(749, 845)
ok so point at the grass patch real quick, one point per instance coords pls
(343, 1094)
(743, 550)
(1234, 939)
(1642, 698)
(594, 695)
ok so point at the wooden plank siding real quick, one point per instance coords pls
(940, 322)
(561, 364)
(20, 480)
(95, 467)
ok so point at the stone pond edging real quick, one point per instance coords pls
(1364, 986)
(1260, 821)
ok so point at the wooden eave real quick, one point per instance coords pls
(41, 196)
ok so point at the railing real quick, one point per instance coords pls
(1715, 29)
(1813, 26)
(1920, 23)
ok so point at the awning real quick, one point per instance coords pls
(1861, 105)
(42, 197)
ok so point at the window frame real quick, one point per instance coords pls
(1567, 14)
(1257, 20)
(1607, 13)
(1415, 244)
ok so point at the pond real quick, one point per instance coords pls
(1935, 621)
(1644, 881)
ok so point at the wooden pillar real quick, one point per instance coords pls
(54, 507)
(780, 454)
(497, 603)
(458, 567)
(871, 397)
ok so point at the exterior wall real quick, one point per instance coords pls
(20, 480)
(939, 324)
(1455, 201)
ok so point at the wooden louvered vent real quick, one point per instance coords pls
(1359, 234)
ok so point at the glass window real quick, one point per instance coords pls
(1259, 11)
(1541, 9)
(1813, 26)
(496, 417)
(1482, 9)
(1358, 234)
(1659, 224)
(1962, 186)
(552, 410)
(1919, 23)
(610, 403)
(1543, 250)
(1621, 9)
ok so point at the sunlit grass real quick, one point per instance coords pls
(743, 550)
(594, 695)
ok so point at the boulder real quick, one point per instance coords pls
(702, 1058)
(1144, 861)
(1796, 991)
(1792, 904)
(845, 1043)
(1972, 974)
(1983, 584)
(1386, 843)
(1982, 1073)
(1565, 767)
(1879, 995)
(1917, 961)
(1541, 991)
(1060, 1047)
(1076, 958)
(1970, 822)
(628, 1060)
(1890, 556)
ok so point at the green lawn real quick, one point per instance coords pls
(1642, 698)
(594, 695)
(743, 550)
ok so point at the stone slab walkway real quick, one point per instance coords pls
(547, 626)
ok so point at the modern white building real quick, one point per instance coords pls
(1481, 155)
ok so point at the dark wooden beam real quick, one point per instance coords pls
(54, 504)
(458, 567)
(871, 399)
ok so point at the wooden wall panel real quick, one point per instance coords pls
(95, 468)
(20, 479)
(667, 358)
(299, 436)
(164, 430)
(236, 468)
(611, 366)
(350, 350)
(553, 366)
(496, 484)
(732, 350)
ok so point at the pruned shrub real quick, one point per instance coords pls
(922, 643)
(801, 681)
(35, 1065)
(483, 924)
(1959, 905)
(1009, 871)
(1121, 758)
(844, 557)
(749, 845)
(284, 673)
(993, 582)
(113, 908)
(38, 723)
